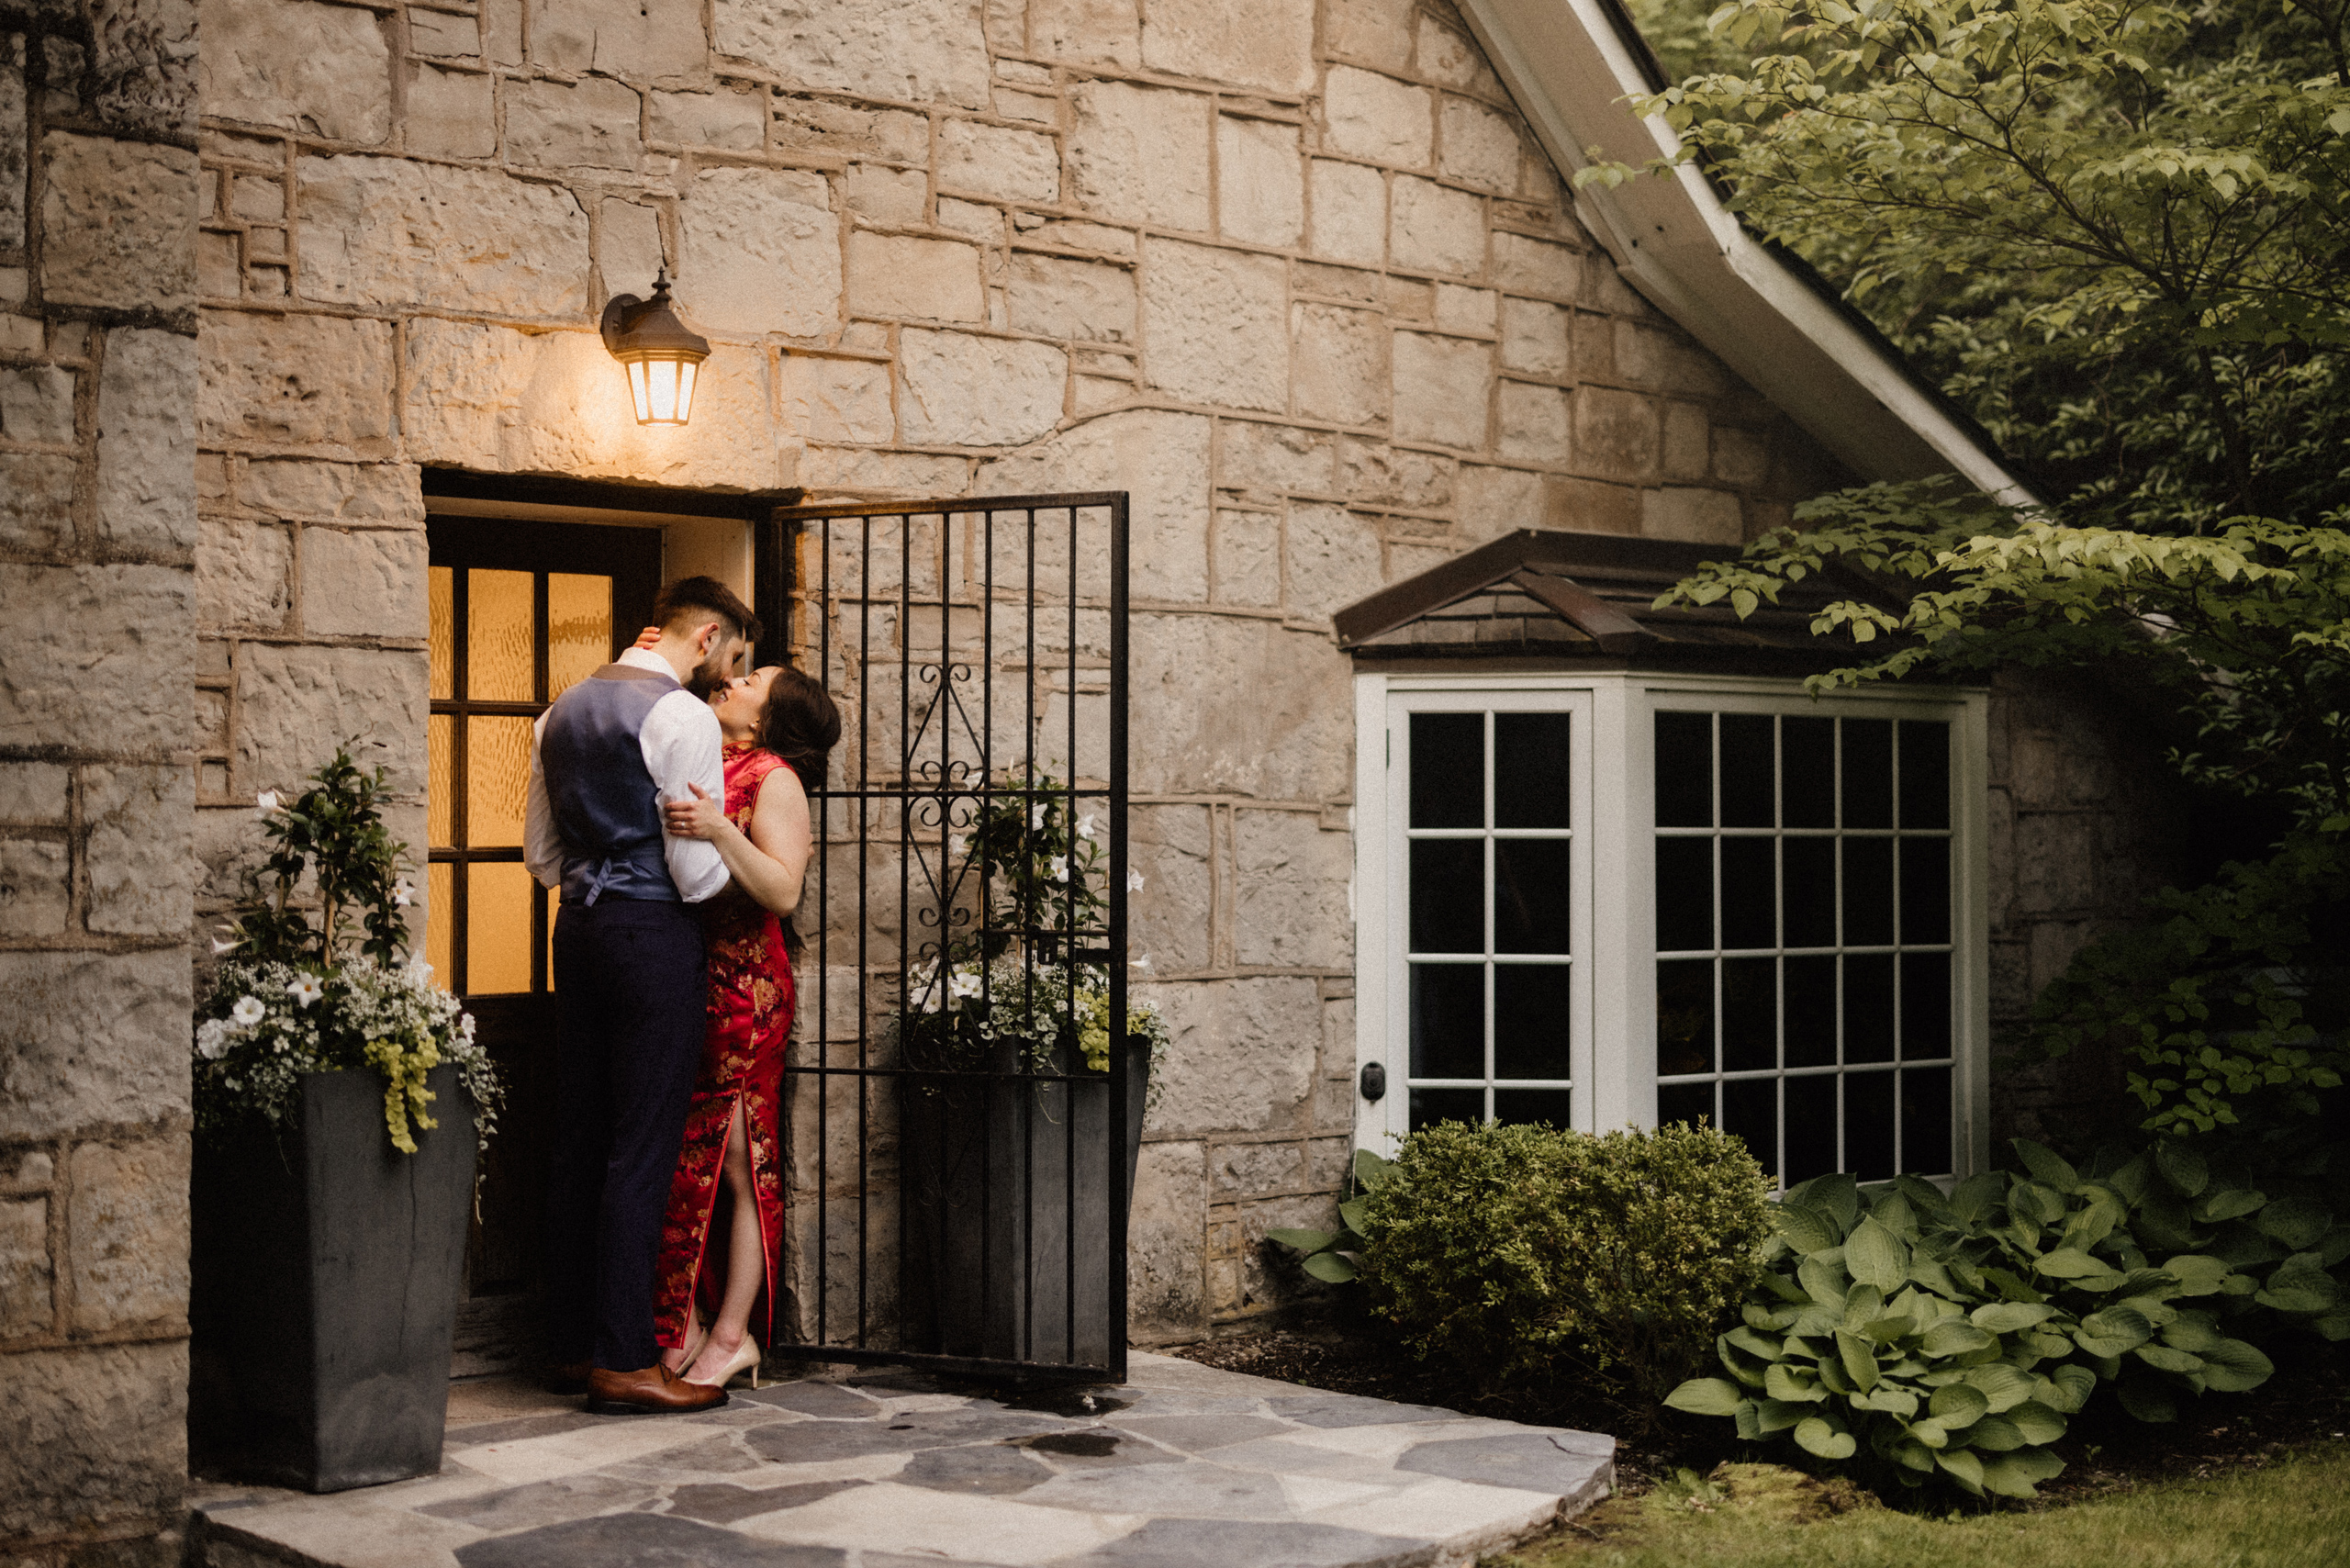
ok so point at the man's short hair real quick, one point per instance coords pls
(696, 600)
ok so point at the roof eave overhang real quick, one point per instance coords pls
(1570, 65)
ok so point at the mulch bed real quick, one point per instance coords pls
(2306, 1404)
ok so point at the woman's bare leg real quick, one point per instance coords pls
(747, 1263)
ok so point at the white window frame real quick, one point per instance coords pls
(1613, 993)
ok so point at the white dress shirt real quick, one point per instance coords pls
(682, 743)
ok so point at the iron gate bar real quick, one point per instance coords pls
(1047, 929)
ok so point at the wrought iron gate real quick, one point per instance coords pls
(959, 1160)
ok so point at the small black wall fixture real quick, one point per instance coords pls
(1374, 1081)
(661, 355)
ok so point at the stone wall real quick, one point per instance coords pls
(1291, 271)
(97, 544)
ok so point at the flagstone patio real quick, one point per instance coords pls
(1183, 1465)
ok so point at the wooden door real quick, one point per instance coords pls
(520, 611)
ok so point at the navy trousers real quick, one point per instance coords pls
(631, 991)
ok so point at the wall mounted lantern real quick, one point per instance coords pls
(662, 356)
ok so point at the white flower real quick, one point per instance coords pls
(1057, 867)
(220, 947)
(1134, 881)
(1036, 815)
(402, 892)
(267, 800)
(418, 971)
(962, 985)
(248, 1012)
(212, 1038)
(1142, 963)
(963, 845)
(304, 989)
(1085, 826)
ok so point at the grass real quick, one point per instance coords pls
(2293, 1513)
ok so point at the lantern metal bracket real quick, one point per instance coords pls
(631, 324)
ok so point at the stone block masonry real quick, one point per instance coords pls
(99, 547)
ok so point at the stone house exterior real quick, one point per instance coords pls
(1303, 275)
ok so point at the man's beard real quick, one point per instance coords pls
(708, 677)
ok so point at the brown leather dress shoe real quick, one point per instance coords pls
(569, 1377)
(648, 1390)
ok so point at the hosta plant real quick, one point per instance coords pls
(1944, 1339)
(1336, 1256)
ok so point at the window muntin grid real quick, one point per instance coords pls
(1489, 932)
(1803, 897)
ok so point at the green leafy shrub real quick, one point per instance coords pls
(1945, 1338)
(1520, 1251)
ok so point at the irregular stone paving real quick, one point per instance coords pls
(1182, 1466)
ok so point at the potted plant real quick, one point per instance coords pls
(341, 1104)
(1005, 1118)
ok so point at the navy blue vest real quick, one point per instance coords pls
(607, 808)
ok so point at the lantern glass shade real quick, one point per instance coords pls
(663, 388)
(661, 354)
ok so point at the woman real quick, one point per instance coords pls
(778, 726)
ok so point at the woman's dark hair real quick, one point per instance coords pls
(800, 725)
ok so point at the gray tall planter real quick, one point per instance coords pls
(325, 1282)
(1007, 1212)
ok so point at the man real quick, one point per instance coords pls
(628, 978)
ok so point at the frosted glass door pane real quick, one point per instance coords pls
(497, 928)
(441, 897)
(500, 626)
(580, 629)
(440, 790)
(498, 779)
(442, 594)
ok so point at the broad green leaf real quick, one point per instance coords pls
(1808, 1229)
(2071, 1264)
(1737, 1363)
(1911, 1454)
(2112, 1331)
(1973, 1199)
(1816, 1436)
(2335, 1325)
(1785, 1383)
(2214, 1208)
(2002, 1386)
(1371, 1170)
(1769, 1348)
(1765, 1318)
(1874, 1256)
(2197, 1274)
(2070, 1389)
(1964, 1466)
(2038, 1423)
(2298, 1222)
(1706, 1396)
(1303, 1240)
(1859, 1360)
(1774, 1415)
(1749, 1417)
(1825, 1282)
(2163, 1357)
(2005, 1476)
(1330, 1267)
(1958, 1404)
(2181, 1167)
(2007, 1317)
(2233, 1367)
(1995, 1433)
(2046, 1166)
(1351, 1214)
(2146, 1400)
(1954, 1337)
(1894, 1401)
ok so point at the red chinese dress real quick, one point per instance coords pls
(742, 1060)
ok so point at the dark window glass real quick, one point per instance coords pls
(1549, 1107)
(1925, 889)
(1868, 892)
(1684, 895)
(1530, 770)
(1684, 771)
(1808, 772)
(1811, 1127)
(1925, 1006)
(1750, 1014)
(1924, 1120)
(1811, 1011)
(1868, 773)
(1747, 770)
(1447, 1020)
(1750, 1111)
(1868, 1007)
(1868, 1126)
(1684, 1016)
(1750, 892)
(1690, 1103)
(1448, 895)
(1530, 1016)
(1925, 773)
(1530, 900)
(1448, 770)
(1430, 1106)
(1808, 897)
